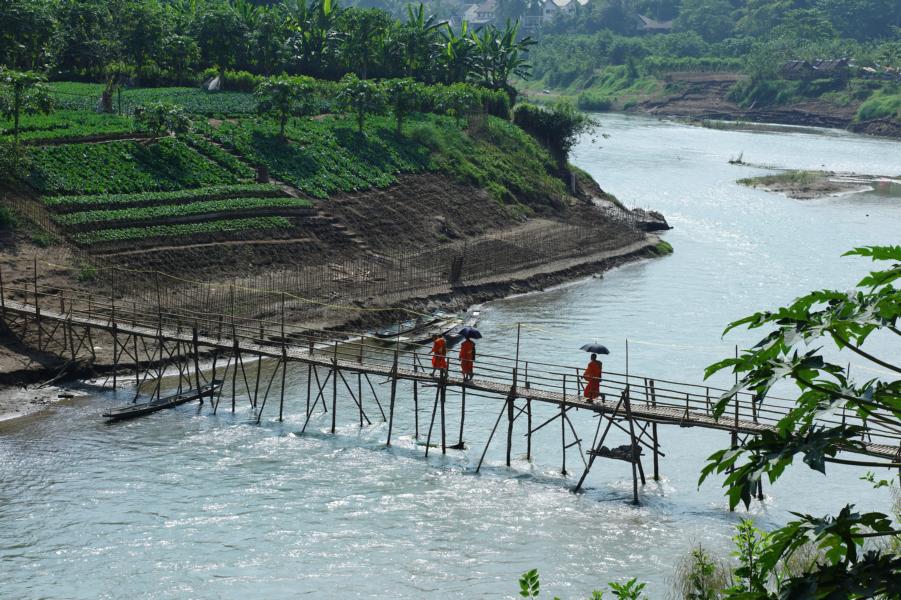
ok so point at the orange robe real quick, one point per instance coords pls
(467, 356)
(592, 377)
(439, 353)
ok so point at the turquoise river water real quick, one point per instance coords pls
(187, 505)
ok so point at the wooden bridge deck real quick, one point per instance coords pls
(668, 403)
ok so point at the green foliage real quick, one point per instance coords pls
(68, 124)
(557, 127)
(403, 96)
(167, 211)
(529, 584)
(284, 97)
(87, 272)
(22, 93)
(122, 167)
(362, 97)
(788, 178)
(67, 203)
(227, 161)
(161, 118)
(325, 156)
(595, 101)
(699, 576)
(846, 319)
(7, 219)
(180, 230)
(880, 106)
(530, 587)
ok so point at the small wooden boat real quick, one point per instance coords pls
(405, 328)
(130, 411)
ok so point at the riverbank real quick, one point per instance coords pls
(704, 96)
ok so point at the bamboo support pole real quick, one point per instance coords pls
(393, 395)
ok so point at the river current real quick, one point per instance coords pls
(187, 505)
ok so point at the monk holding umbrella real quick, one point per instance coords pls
(593, 372)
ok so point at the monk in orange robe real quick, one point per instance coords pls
(439, 353)
(467, 357)
(592, 377)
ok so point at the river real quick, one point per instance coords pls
(187, 505)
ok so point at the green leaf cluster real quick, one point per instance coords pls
(180, 230)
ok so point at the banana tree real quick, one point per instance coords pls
(499, 55)
(457, 55)
(23, 92)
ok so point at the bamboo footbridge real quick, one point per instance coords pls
(150, 342)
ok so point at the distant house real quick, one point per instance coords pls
(833, 68)
(485, 12)
(797, 69)
(649, 25)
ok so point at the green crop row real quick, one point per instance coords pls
(67, 124)
(178, 210)
(122, 167)
(219, 156)
(258, 190)
(326, 156)
(180, 230)
(86, 96)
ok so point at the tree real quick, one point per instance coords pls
(364, 36)
(116, 74)
(221, 36)
(23, 92)
(793, 351)
(499, 55)
(26, 31)
(404, 96)
(557, 127)
(314, 39)
(712, 19)
(362, 97)
(457, 100)
(419, 39)
(284, 97)
(162, 119)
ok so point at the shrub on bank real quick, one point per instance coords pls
(594, 101)
(880, 106)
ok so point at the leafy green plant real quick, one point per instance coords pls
(122, 167)
(847, 320)
(557, 127)
(180, 230)
(22, 93)
(165, 211)
(404, 96)
(161, 118)
(256, 190)
(529, 584)
(362, 97)
(699, 576)
(630, 590)
(284, 97)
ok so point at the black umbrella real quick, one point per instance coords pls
(470, 332)
(595, 349)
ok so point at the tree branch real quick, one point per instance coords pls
(866, 355)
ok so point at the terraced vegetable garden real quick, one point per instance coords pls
(68, 124)
(73, 203)
(180, 230)
(123, 167)
(84, 97)
(326, 156)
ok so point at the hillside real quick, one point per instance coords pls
(233, 198)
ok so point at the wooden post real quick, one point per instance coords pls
(633, 448)
(37, 306)
(237, 352)
(360, 397)
(391, 405)
(281, 399)
(460, 445)
(115, 354)
(443, 384)
(310, 378)
(563, 427)
(654, 435)
(196, 362)
(509, 427)
(334, 386)
(2, 295)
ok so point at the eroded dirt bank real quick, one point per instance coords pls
(420, 212)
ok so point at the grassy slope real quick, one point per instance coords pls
(321, 157)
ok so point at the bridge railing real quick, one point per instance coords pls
(689, 402)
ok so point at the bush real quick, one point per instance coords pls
(233, 81)
(7, 219)
(594, 101)
(880, 106)
(557, 127)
